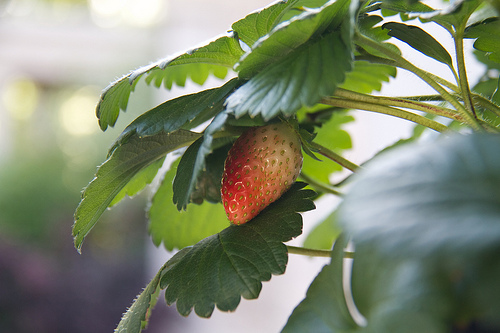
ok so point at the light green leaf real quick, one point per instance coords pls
(324, 309)
(197, 64)
(487, 34)
(114, 174)
(288, 36)
(139, 181)
(260, 23)
(419, 40)
(367, 77)
(220, 269)
(324, 233)
(301, 79)
(180, 229)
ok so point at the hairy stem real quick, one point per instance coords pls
(350, 104)
(402, 62)
(319, 185)
(334, 157)
(400, 102)
(462, 73)
(315, 253)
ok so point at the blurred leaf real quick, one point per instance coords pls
(136, 317)
(419, 40)
(186, 112)
(214, 58)
(431, 201)
(258, 24)
(301, 79)
(180, 229)
(287, 37)
(221, 268)
(114, 174)
(487, 34)
(139, 181)
(194, 162)
(367, 77)
(324, 233)
(324, 309)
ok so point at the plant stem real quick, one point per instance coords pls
(402, 62)
(400, 102)
(334, 157)
(315, 253)
(320, 186)
(350, 104)
(462, 73)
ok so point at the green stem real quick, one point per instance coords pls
(319, 186)
(486, 103)
(462, 73)
(350, 104)
(399, 102)
(334, 157)
(402, 62)
(315, 253)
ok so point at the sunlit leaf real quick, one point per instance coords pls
(366, 77)
(487, 35)
(114, 174)
(213, 58)
(324, 233)
(220, 269)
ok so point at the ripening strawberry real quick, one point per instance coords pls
(262, 164)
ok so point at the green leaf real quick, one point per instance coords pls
(260, 23)
(288, 36)
(324, 309)
(419, 40)
(333, 136)
(197, 64)
(220, 269)
(425, 222)
(324, 233)
(180, 229)
(136, 317)
(301, 79)
(139, 181)
(487, 34)
(440, 199)
(367, 77)
(194, 160)
(185, 112)
(114, 174)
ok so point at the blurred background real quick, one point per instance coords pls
(55, 58)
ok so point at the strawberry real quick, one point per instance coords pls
(261, 165)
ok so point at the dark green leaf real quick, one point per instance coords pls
(193, 162)
(139, 181)
(114, 174)
(136, 317)
(487, 34)
(434, 201)
(324, 309)
(185, 112)
(367, 77)
(290, 35)
(260, 23)
(180, 229)
(215, 58)
(220, 269)
(301, 79)
(419, 40)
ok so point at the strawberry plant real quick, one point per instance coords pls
(418, 226)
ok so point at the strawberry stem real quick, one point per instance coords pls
(334, 157)
(327, 188)
(315, 253)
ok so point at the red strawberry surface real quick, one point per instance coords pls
(261, 165)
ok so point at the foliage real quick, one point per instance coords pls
(422, 216)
